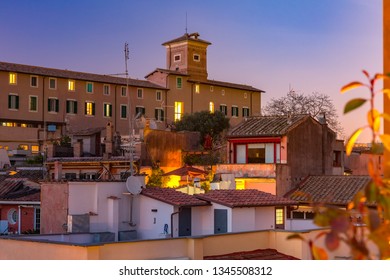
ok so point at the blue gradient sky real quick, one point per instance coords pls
(274, 45)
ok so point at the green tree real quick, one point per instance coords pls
(205, 122)
(156, 179)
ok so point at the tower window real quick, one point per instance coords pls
(177, 57)
(196, 57)
(178, 82)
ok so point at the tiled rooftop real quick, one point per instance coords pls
(261, 254)
(19, 189)
(337, 190)
(266, 125)
(173, 197)
(187, 37)
(67, 74)
(227, 85)
(244, 198)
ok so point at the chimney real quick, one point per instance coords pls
(109, 140)
(57, 170)
(78, 148)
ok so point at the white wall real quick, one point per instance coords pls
(243, 219)
(150, 225)
(300, 224)
(86, 197)
(265, 218)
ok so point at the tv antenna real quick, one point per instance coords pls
(186, 24)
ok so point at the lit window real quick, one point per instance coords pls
(23, 147)
(234, 111)
(159, 114)
(196, 57)
(52, 83)
(34, 149)
(178, 82)
(89, 108)
(12, 78)
(140, 93)
(106, 89)
(71, 106)
(89, 87)
(33, 81)
(197, 88)
(107, 110)
(279, 218)
(223, 109)
(71, 85)
(123, 111)
(177, 57)
(211, 107)
(53, 105)
(13, 102)
(139, 110)
(33, 103)
(178, 110)
(245, 112)
(123, 91)
(158, 95)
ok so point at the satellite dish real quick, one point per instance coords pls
(134, 184)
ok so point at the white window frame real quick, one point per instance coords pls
(158, 95)
(49, 99)
(160, 117)
(106, 89)
(73, 111)
(86, 102)
(226, 109)
(245, 108)
(236, 107)
(123, 91)
(194, 55)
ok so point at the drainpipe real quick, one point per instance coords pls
(174, 213)
(19, 218)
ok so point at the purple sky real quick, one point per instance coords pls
(273, 45)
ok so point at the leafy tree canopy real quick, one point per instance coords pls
(204, 122)
(315, 104)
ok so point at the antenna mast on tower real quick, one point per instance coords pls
(131, 138)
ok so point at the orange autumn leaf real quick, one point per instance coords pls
(351, 86)
(352, 140)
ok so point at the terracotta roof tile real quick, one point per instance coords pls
(173, 197)
(187, 37)
(19, 189)
(337, 190)
(227, 85)
(67, 74)
(244, 198)
(266, 125)
(261, 254)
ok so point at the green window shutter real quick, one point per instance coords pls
(85, 108)
(156, 114)
(162, 115)
(57, 105)
(67, 106)
(9, 101)
(105, 110)
(16, 102)
(48, 105)
(110, 110)
(93, 109)
(75, 107)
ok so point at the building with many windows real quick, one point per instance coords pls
(39, 103)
